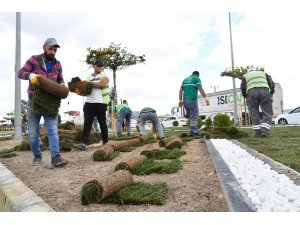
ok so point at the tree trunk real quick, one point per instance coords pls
(115, 85)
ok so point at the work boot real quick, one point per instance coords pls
(37, 161)
(58, 161)
(80, 146)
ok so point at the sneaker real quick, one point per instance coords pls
(264, 135)
(80, 146)
(161, 138)
(37, 161)
(58, 161)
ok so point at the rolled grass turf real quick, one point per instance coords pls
(53, 88)
(84, 87)
(103, 152)
(131, 162)
(97, 190)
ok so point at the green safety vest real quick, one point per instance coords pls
(104, 91)
(256, 79)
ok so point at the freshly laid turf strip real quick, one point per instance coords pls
(140, 193)
(163, 154)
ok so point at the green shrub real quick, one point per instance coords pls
(175, 123)
(222, 120)
(208, 122)
(200, 122)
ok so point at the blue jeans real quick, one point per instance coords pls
(144, 117)
(51, 124)
(191, 106)
(127, 115)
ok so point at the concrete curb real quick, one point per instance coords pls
(16, 197)
(235, 196)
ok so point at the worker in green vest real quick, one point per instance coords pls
(122, 112)
(95, 105)
(257, 88)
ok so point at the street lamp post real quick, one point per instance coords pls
(233, 79)
(18, 120)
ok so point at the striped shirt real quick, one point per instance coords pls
(36, 64)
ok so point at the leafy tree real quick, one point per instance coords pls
(238, 72)
(114, 58)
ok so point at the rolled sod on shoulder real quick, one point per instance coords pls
(130, 163)
(95, 191)
(174, 142)
(103, 152)
(84, 87)
(53, 87)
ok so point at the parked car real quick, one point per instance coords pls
(292, 117)
(168, 122)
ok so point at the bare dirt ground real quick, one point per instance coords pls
(194, 188)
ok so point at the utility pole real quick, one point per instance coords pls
(233, 79)
(18, 119)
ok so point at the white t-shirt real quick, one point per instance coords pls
(95, 96)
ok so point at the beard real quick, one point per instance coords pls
(49, 57)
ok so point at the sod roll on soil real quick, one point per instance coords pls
(103, 152)
(171, 142)
(95, 191)
(53, 88)
(131, 162)
(125, 143)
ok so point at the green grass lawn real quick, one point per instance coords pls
(283, 144)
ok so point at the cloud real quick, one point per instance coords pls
(174, 43)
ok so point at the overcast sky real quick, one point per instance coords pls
(175, 43)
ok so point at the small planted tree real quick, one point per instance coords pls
(238, 72)
(114, 58)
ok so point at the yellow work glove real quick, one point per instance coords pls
(154, 137)
(77, 91)
(180, 104)
(34, 80)
(207, 101)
